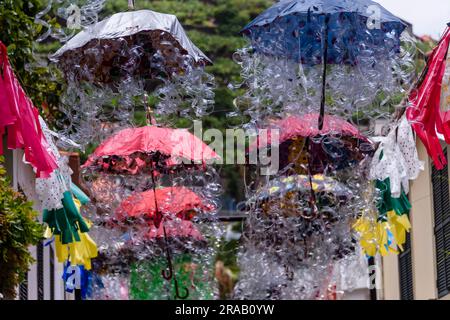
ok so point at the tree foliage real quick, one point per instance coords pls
(18, 33)
(19, 229)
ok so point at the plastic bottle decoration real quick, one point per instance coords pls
(111, 65)
(326, 69)
(334, 57)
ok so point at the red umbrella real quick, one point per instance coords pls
(433, 90)
(306, 126)
(20, 117)
(172, 200)
(153, 149)
(179, 201)
(175, 229)
(344, 145)
(136, 150)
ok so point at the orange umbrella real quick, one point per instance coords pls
(179, 201)
(175, 229)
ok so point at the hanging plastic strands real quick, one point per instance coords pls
(324, 56)
(20, 121)
(112, 64)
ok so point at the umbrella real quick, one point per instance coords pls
(300, 183)
(175, 229)
(325, 32)
(149, 148)
(428, 103)
(170, 230)
(336, 146)
(153, 204)
(99, 48)
(179, 201)
(287, 193)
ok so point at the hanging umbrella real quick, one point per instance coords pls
(290, 196)
(149, 148)
(149, 34)
(289, 224)
(175, 229)
(167, 200)
(428, 104)
(176, 201)
(325, 32)
(278, 188)
(336, 146)
(158, 204)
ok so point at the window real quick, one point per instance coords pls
(405, 271)
(52, 272)
(40, 270)
(23, 290)
(441, 204)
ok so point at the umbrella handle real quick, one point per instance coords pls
(167, 273)
(289, 273)
(177, 291)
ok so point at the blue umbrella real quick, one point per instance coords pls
(325, 31)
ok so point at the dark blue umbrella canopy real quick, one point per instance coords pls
(295, 29)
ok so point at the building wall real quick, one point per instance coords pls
(422, 241)
(11, 159)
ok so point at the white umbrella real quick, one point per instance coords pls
(96, 47)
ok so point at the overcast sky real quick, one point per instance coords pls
(427, 16)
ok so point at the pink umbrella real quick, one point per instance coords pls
(340, 144)
(175, 229)
(176, 201)
(306, 126)
(137, 150)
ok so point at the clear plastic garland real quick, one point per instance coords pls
(284, 254)
(369, 89)
(287, 252)
(110, 83)
(76, 14)
(108, 78)
(93, 110)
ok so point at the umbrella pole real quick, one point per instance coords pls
(149, 119)
(324, 74)
(130, 4)
(312, 200)
(166, 274)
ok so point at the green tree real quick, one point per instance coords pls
(19, 229)
(18, 33)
